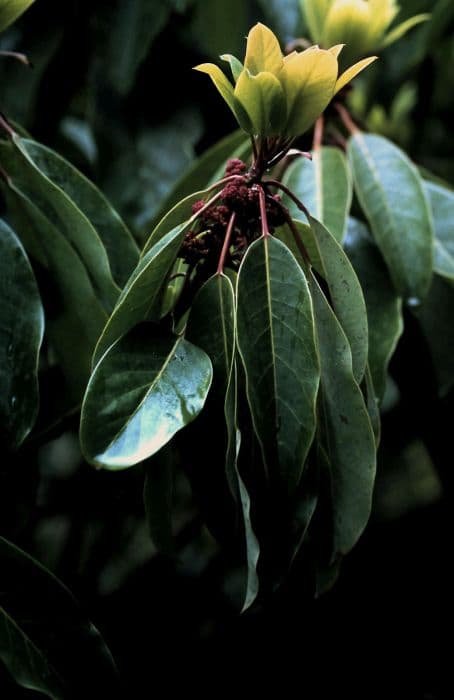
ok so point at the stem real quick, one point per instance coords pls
(318, 133)
(337, 138)
(225, 245)
(18, 56)
(263, 216)
(4, 125)
(295, 233)
(346, 119)
(289, 193)
(254, 148)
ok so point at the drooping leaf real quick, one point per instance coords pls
(140, 293)
(21, 334)
(277, 346)
(212, 325)
(435, 317)
(45, 637)
(347, 434)
(392, 196)
(384, 306)
(324, 186)
(26, 162)
(121, 249)
(157, 498)
(148, 386)
(442, 203)
(74, 315)
(346, 294)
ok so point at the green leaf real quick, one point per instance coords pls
(27, 162)
(324, 186)
(392, 196)
(157, 498)
(72, 330)
(442, 203)
(346, 294)
(10, 10)
(202, 171)
(347, 434)
(148, 386)
(435, 317)
(131, 27)
(175, 217)
(121, 249)
(277, 346)
(45, 638)
(137, 300)
(211, 325)
(384, 306)
(21, 334)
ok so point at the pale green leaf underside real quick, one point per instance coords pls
(148, 386)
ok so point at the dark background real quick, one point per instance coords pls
(112, 90)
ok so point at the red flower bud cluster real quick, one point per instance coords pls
(239, 196)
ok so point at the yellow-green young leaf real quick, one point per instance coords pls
(345, 431)
(401, 29)
(315, 12)
(347, 22)
(392, 195)
(348, 75)
(148, 386)
(324, 185)
(10, 10)
(225, 88)
(263, 52)
(275, 333)
(235, 65)
(21, 333)
(263, 99)
(309, 79)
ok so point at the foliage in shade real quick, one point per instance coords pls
(21, 334)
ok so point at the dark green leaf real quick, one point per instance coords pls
(157, 498)
(121, 249)
(148, 386)
(442, 203)
(392, 196)
(131, 27)
(346, 295)
(346, 430)
(211, 325)
(324, 186)
(175, 217)
(435, 317)
(45, 638)
(74, 316)
(384, 306)
(277, 346)
(140, 293)
(64, 215)
(21, 334)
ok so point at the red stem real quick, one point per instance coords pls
(346, 119)
(263, 216)
(4, 125)
(295, 233)
(225, 245)
(289, 193)
(318, 133)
